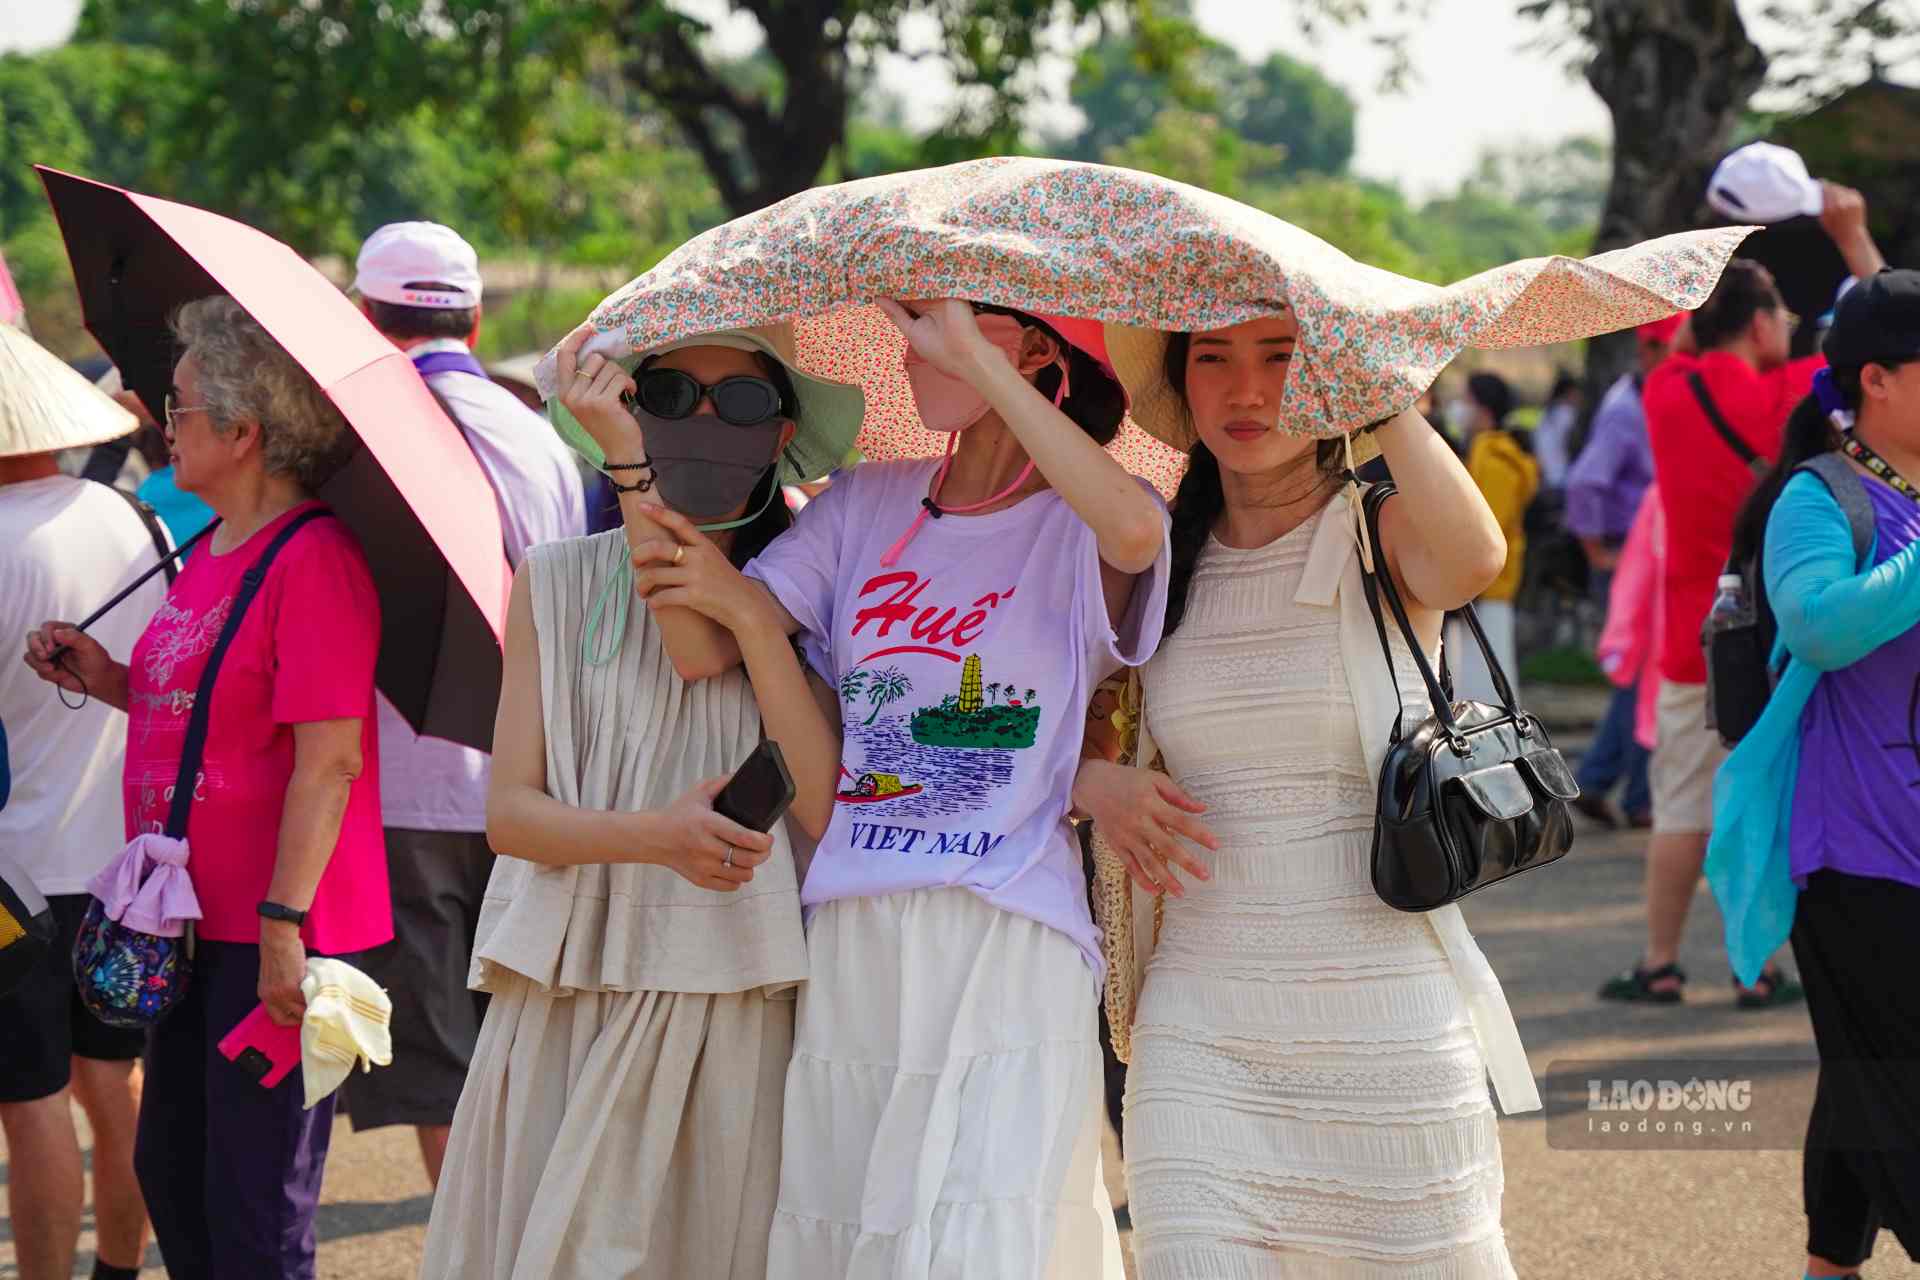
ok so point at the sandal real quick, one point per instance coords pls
(1770, 990)
(1636, 985)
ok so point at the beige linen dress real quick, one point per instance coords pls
(622, 1115)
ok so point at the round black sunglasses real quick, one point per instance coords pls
(740, 400)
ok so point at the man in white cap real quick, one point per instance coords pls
(67, 545)
(419, 284)
(1813, 238)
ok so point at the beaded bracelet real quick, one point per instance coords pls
(642, 485)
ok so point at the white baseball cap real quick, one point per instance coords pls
(402, 256)
(1762, 182)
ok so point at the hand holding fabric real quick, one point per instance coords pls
(591, 389)
(283, 966)
(944, 333)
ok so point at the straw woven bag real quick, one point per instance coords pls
(1118, 906)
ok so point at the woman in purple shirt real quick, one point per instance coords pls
(1853, 829)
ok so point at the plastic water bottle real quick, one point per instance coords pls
(1731, 608)
(1737, 678)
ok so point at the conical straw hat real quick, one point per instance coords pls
(44, 405)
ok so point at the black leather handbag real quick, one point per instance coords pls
(1471, 795)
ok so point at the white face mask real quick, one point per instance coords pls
(1458, 415)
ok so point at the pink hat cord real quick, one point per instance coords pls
(930, 506)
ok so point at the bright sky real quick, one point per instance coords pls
(1481, 79)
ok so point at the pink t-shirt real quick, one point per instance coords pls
(964, 673)
(305, 651)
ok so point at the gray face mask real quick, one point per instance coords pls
(705, 467)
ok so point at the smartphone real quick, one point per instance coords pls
(262, 1047)
(759, 791)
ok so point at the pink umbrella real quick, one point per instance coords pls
(414, 494)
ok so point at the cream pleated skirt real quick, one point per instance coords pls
(943, 1113)
(615, 1134)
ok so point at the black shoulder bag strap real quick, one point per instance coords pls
(1721, 426)
(1380, 583)
(195, 745)
(155, 531)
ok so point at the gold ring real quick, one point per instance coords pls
(679, 553)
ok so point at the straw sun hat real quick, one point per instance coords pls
(45, 406)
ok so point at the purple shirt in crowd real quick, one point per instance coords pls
(1606, 484)
(1856, 805)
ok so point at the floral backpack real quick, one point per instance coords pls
(133, 958)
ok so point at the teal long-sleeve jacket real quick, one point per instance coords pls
(1831, 612)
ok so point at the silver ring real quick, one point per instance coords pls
(728, 860)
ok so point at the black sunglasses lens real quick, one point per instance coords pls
(668, 393)
(746, 401)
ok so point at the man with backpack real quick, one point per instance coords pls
(1715, 415)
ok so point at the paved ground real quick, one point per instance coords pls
(1593, 1214)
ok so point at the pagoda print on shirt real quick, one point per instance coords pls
(940, 757)
(924, 740)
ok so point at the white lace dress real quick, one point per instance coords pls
(1306, 1097)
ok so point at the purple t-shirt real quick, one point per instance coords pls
(964, 672)
(1856, 804)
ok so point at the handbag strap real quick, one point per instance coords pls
(1380, 583)
(1719, 423)
(195, 745)
(156, 532)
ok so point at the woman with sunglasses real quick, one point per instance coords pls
(623, 1112)
(942, 1111)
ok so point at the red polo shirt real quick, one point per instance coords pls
(1703, 482)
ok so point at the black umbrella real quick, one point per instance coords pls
(413, 492)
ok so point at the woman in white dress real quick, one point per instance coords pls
(1307, 1092)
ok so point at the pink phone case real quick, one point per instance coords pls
(262, 1047)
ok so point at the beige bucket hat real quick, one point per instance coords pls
(45, 406)
(826, 418)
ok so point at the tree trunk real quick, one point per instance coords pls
(1675, 74)
(758, 146)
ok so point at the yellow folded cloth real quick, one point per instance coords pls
(347, 1021)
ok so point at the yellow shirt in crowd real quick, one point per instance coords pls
(1508, 478)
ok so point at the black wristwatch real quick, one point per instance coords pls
(274, 911)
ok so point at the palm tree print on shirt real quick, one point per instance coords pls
(878, 687)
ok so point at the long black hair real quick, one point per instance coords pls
(1201, 499)
(749, 540)
(1810, 433)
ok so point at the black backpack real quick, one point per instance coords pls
(1739, 641)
